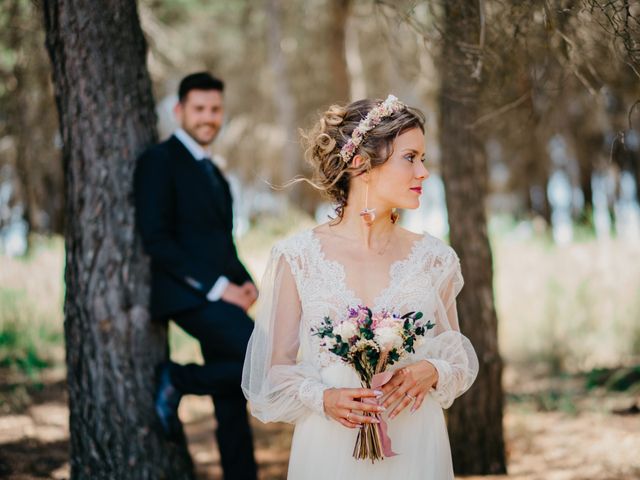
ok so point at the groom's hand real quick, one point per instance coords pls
(252, 291)
(238, 295)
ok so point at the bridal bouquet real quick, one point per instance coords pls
(370, 342)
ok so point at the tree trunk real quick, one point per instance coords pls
(357, 79)
(106, 112)
(18, 128)
(475, 420)
(33, 122)
(336, 47)
(587, 148)
(284, 101)
(536, 175)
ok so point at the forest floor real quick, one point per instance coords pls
(555, 430)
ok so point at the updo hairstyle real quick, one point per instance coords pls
(323, 142)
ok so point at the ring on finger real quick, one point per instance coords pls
(409, 396)
(348, 415)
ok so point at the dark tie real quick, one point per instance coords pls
(207, 166)
(214, 176)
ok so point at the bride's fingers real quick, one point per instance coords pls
(398, 385)
(394, 396)
(363, 393)
(354, 417)
(365, 407)
(402, 405)
(394, 383)
(418, 402)
(348, 424)
(347, 418)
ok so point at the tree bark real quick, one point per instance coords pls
(587, 149)
(475, 420)
(357, 80)
(284, 101)
(33, 122)
(106, 112)
(336, 47)
(536, 175)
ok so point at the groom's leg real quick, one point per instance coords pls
(214, 378)
(235, 440)
(234, 437)
(223, 331)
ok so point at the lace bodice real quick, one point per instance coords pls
(301, 287)
(322, 287)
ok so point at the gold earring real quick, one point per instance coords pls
(394, 215)
(368, 215)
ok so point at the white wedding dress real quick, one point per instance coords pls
(286, 371)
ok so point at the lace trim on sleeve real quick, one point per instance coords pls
(311, 394)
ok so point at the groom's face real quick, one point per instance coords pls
(201, 114)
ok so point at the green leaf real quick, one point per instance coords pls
(366, 333)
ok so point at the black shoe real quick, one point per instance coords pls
(167, 400)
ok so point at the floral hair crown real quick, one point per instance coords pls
(387, 108)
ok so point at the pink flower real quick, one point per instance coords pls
(373, 118)
(362, 315)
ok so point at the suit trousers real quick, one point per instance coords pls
(223, 331)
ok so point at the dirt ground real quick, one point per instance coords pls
(579, 438)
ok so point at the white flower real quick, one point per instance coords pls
(388, 337)
(362, 344)
(329, 342)
(346, 330)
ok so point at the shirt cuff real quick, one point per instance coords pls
(218, 289)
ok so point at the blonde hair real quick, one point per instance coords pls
(331, 175)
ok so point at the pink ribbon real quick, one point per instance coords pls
(377, 382)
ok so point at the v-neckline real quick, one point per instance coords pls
(355, 299)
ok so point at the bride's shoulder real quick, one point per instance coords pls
(294, 244)
(433, 247)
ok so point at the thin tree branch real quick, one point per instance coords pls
(500, 111)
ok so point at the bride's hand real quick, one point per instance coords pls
(344, 405)
(410, 384)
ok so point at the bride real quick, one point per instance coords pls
(368, 157)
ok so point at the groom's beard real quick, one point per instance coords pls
(204, 133)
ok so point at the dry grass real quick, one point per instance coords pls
(31, 295)
(568, 308)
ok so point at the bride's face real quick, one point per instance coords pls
(398, 182)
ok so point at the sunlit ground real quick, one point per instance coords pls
(569, 333)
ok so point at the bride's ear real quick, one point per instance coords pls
(357, 161)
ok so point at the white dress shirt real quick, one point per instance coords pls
(201, 154)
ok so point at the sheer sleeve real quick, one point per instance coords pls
(449, 350)
(280, 387)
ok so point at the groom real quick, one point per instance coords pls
(183, 213)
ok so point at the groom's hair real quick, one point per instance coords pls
(199, 81)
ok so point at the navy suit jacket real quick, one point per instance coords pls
(186, 228)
